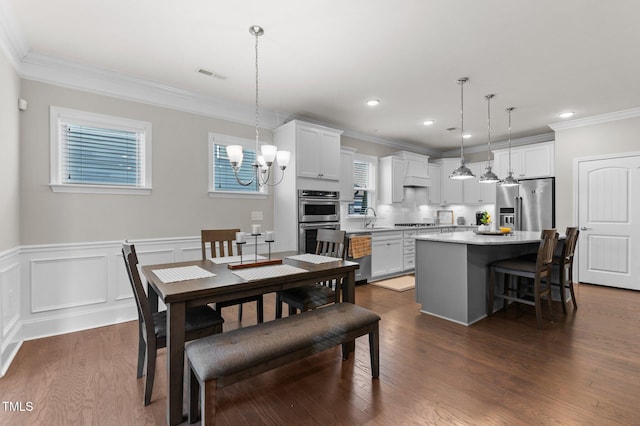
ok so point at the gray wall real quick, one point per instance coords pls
(178, 206)
(9, 156)
(619, 136)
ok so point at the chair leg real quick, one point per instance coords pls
(260, 309)
(562, 279)
(292, 310)
(570, 284)
(151, 372)
(506, 280)
(240, 312)
(536, 298)
(278, 307)
(142, 348)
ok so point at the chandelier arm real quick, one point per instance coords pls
(279, 180)
(241, 182)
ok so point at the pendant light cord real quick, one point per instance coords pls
(257, 100)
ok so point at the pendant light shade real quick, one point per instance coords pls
(462, 172)
(510, 180)
(489, 176)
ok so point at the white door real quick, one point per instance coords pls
(608, 216)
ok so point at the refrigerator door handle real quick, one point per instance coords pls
(519, 210)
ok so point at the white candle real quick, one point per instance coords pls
(240, 237)
(255, 229)
(269, 236)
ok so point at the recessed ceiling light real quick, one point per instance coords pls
(428, 122)
(566, 114)
(466, 136)
(373, 102)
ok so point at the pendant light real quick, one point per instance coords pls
(268, 153)
(510, 180)
(462, 172)
(488, 176)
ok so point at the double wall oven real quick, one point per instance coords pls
(316, 210)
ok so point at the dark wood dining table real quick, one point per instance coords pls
(226, 285)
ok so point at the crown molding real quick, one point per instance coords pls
(46, 69)
(597, 119)
(12, 40)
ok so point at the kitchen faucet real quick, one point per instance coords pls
(367, 223)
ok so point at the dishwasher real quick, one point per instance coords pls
(363, 274)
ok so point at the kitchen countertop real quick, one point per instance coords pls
(469, 237)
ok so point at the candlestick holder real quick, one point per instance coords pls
(255, 262)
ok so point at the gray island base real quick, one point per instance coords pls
(452, 270)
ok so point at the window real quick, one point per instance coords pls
(96, 153)
(363, 184)
(222, 179)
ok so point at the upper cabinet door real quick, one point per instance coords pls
(434, 189)
(318, 153)
(528, 161)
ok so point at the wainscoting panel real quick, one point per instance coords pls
(59, 283)
(10, 315)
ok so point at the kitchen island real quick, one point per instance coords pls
(452, 270)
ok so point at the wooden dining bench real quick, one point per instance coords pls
(226, 358)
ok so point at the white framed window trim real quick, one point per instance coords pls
(220, 139)
(59, 115)
(370, 187)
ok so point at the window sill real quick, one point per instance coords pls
(233, 194)
(99, 189)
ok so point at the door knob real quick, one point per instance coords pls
(584, 228)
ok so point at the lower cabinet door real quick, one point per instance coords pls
(387, 255)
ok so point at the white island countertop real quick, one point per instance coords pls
(470, 237)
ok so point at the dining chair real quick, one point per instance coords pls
(200, 321)
(221, 238)
(537, 270)
(329, 242)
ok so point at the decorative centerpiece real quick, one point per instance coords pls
(485, 222)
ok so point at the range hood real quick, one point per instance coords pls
(416, 170)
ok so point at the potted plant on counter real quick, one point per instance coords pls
(485, 222)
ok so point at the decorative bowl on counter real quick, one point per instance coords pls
(505, 229)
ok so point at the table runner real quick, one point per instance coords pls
(182, 273)
(261, 272)
(314, 258)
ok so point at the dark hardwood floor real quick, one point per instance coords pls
(583, 369)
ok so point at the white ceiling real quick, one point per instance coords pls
(322, 60)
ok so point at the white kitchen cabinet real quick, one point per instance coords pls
(392, 171)
(474, 192)
(434, 187)
(409, 250)
(316, 149)
(318, 153)
(346, 174)
(451, 189)
(387, 255)
(528, 161)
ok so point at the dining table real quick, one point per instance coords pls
(182, 285)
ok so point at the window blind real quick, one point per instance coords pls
(93, 155)
(225, 178)
(360, 174)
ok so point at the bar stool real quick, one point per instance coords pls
(521, 267)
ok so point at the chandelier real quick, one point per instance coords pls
(462, 172)
(268, 153)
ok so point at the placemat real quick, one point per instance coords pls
(182, 273)
(251, 274)
(246, 258)
(313, 258)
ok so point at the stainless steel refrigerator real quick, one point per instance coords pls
(529, 206)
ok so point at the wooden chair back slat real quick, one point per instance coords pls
(217, 238)
(331, 242)
(142, 301)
